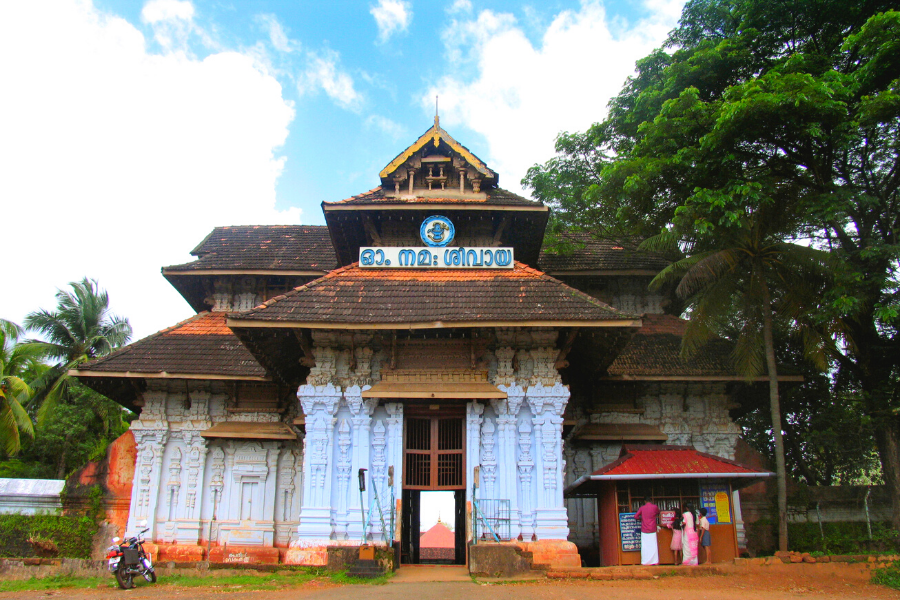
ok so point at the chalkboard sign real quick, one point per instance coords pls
(714, 498)
(630, 532)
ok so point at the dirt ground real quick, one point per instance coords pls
(778, 582)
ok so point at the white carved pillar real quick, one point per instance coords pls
(547, 406)
(320, 404)
(173, 492)
(394, 424)
(525, 469)
(342, 471)
(216, 487)
(507, 434)
(488, 459)
(379, 475)
(474, 410)
(361, 417)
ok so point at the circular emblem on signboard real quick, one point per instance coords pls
(437, 231)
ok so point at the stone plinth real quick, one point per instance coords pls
(552, 554)
(244, 555)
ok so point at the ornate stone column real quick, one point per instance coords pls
(474, 412)
(361, 419)
(525, 469)
(320, 404)
(547, 406)
(488, 459)
(394, 425)
(507, 414)
(151, 435)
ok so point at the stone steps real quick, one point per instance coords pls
(366, 569)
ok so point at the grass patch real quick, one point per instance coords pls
(268, 581)
(888, 576)
(251, 582)
(56, 582)
(341, 577)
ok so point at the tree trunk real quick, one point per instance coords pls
(61, 465)
(887, 438)
(775, 406)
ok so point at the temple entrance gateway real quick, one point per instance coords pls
(433, 459)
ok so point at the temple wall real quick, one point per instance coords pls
(629, 294)
(693, 414)
(182, 479)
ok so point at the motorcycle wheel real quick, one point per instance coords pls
(125, 580)
(150, 575)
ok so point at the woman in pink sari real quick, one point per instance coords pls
(689, 538)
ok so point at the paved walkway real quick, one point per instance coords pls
(431, 573)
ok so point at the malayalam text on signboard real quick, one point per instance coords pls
(630, 532)
(436, 258)
(714, 498)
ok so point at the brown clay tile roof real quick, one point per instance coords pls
(495, 196)
(593, 254)
(201, 345)
(655, 350)
(355, 295)
(264, 247)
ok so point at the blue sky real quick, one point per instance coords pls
(133, 128)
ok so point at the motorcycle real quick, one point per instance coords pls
(127, 559)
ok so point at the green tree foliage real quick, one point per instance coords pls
(794, 101)
(828, 438)
(76, 424)
(16, 360)
(81, 328)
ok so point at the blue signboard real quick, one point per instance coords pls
(715, 499)
(630, 532)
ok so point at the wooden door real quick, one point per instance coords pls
(434, 457)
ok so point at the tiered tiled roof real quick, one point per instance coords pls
(592, 254)
(654, 352)
(263, 248)
(492, 197)
(201, 345)
(408, 296)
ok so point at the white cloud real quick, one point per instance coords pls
(460, 6)
(520, 95)
(391, 16)
(391, 128)
(115, 161)
(324, 73)
(277, 35)
(171, 20)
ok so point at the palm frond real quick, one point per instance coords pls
(9, 432)
(709, 268)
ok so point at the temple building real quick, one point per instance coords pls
(424, 336)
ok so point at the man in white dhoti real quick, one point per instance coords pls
(648, 515)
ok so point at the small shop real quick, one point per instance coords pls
(672, 476)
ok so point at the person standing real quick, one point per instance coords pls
(676, 526)
(705, 537)
(689, 537)
(648, 515)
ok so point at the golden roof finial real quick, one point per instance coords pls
(437, 119)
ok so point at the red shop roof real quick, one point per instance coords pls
(638, 462)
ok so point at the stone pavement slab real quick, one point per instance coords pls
(431, 573)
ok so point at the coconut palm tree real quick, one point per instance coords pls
(741, 271)
(16, 360)
(81, 328)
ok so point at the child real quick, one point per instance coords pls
(705, 537)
